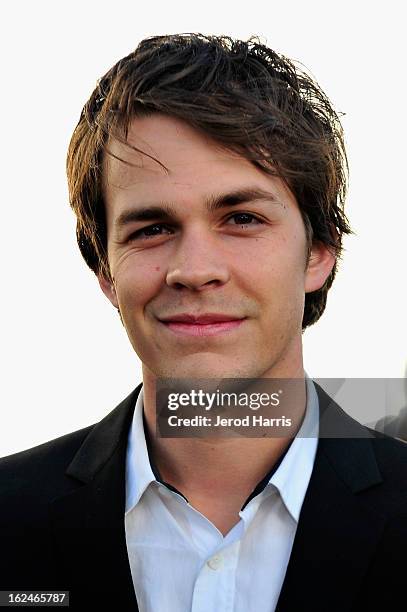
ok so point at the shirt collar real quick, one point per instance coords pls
(138, 473)
(290, 477)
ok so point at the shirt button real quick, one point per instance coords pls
(215, 562)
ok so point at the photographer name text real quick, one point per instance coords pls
(247, 421)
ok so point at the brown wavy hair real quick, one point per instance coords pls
(245, 96)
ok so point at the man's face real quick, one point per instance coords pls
(230, 245)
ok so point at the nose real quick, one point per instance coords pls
(198, 262)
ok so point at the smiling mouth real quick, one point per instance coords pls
(202, 329)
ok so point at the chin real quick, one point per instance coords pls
(199, 367)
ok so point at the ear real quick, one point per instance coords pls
(108, 289)
(320, 264)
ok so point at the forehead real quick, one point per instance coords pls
(166, 157)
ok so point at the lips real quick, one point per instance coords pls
(203, 325)
(202, 319)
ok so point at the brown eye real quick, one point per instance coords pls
(148, 232)
(245, 218)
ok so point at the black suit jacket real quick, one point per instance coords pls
(62, 519)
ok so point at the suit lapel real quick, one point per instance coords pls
(337, 531)
(88, 521)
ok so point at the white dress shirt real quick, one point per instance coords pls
(179, 560)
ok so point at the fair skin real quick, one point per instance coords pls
(199, 260)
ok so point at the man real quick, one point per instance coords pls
(208, 177)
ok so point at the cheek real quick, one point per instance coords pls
(278, 262)
(277, 281)
(137, 283)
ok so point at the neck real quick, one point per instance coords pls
(212, 467)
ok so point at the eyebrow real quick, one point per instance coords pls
(212, 204)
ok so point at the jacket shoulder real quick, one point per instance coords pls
(29, 479)
(391, 457)
(51, 454)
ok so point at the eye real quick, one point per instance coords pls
(245, 218)
(158, 229)
(148, 232)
